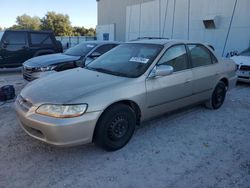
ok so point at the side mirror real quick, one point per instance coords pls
(95, 55)
(79, 63)
(161, 70)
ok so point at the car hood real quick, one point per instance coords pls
(241, 60)
(51, 59)
(68, 86)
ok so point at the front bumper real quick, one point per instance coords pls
(57, 131)
(243, 76)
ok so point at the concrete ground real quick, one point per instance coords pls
(192, 148)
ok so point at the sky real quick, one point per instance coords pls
(81, 12)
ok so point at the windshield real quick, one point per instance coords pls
(1, 34)
(245, 53)
(128, 60)
(81, 49)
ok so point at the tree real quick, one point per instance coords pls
(91, 32)
(79, 31)
(27, 22)
(1, 28)
(59, 23)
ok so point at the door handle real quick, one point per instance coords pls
(188, 80)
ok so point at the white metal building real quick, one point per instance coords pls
(225, 24)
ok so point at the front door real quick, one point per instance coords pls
(170, 92)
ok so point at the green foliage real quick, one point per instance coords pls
(91, 32)
(59, 23)
(27, 22)
(79, 31)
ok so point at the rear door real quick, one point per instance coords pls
(169, 92)
(15, 48)
(205, 69)
(41, 43)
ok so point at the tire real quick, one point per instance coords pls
(115, 127)
(218, 96)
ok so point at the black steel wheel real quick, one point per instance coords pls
(218, 96)
(115, 127)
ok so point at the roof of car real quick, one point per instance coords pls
(27, 30)
(159, 41)
(101, 42)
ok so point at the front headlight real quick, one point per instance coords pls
(49, 68)
(62, 111)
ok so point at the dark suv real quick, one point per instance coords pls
(18, 46)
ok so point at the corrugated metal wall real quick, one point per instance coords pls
(114, 12)
(180, 19)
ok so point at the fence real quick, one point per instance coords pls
(70, 41)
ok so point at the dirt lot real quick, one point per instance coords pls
(192, 148)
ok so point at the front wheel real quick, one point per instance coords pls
(115, 127)
(218, 96)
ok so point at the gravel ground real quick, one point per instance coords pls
(192, 148)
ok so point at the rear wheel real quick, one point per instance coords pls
(115, 127)
(218, 96)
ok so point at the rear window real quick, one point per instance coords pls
(40, 39)
(81, 49)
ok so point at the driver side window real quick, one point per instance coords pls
(176, 57)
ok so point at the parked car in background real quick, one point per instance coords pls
(76, 56)
(243, 65)
(18, 46)
(134, 82)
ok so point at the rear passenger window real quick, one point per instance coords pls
(176, 57)
(200, 55)
(214, 59)
(40, 39)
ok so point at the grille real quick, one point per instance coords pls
(23, 103)
(27, 76)
(245, 68)
(244, 77)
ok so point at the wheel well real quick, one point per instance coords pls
(132, 105)
(225, 81)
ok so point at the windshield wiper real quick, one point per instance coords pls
(102, 70)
